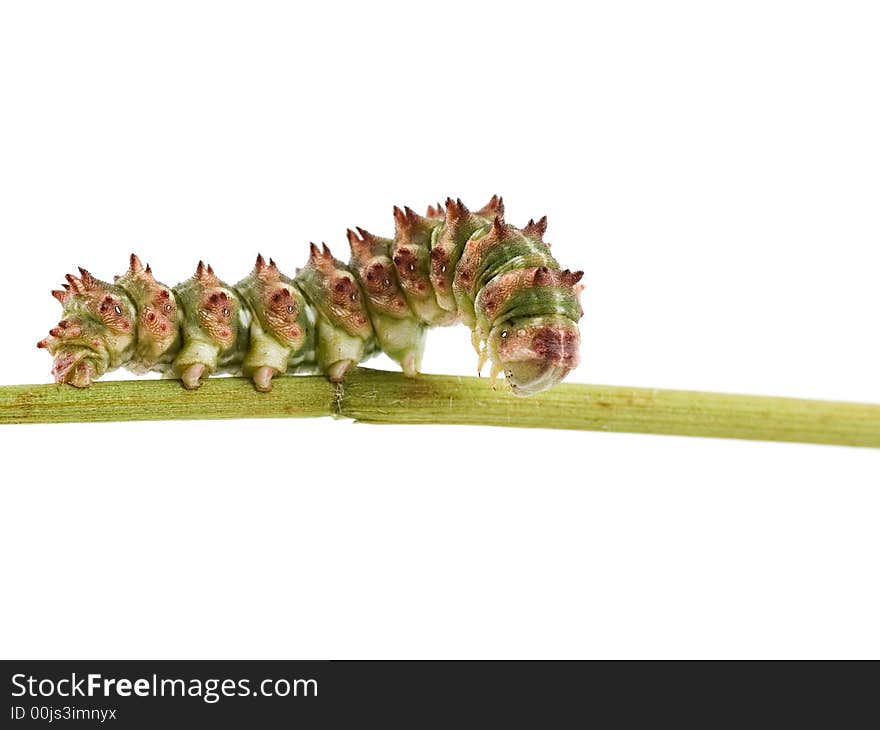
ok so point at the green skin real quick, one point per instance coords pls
(332, 315)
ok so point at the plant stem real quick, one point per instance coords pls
(373, 396)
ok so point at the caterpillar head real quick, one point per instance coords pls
(531, 316)
(535, 353)
(158, 321)
(95, 333)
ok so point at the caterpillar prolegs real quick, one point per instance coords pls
(448, 266)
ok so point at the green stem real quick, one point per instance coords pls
(373, 396)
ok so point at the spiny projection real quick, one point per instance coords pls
(450, 265)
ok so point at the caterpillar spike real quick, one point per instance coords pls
(536, 229)
(451, 265)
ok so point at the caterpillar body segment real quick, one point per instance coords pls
(447, 266)
(158, 330)
(399, 332)
(281, 330)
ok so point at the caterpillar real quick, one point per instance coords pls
(450, 265)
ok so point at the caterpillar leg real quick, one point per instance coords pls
(191, 375)
(196, 361)
(262, 378)
(477, 342)
(336, 372)
(481, 362)
(494, 373)
(265, 359)
(409, 364)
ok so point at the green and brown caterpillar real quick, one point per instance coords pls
(448, 266)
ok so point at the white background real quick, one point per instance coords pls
(713, 167)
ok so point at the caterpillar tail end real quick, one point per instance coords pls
(79, 374)
(71, 365)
